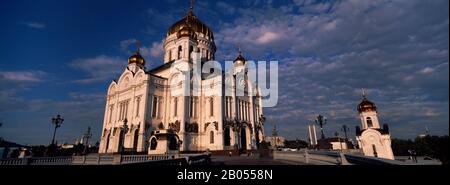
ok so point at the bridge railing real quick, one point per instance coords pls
(22, 161)
(319, 157)
(109, 159)
(51, 160)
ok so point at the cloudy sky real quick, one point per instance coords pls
(60, 56)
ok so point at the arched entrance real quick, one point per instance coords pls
(121, 141)
(107, 142)
(173, 142)
(153, 143)
(257, 138)
(135, 140)
(243, 139)
(227, 137)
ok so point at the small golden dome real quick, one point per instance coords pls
(366, 105)
(240, 59)
(136, 58)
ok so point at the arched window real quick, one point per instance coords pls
(190, 51)
(180, 50)
(170, 55)
(191, 107)
(369, 122)
(211, 137)
(211, 106)
(154, 106)
(175, 107)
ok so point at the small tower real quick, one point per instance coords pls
(373, 140)
(186, 36)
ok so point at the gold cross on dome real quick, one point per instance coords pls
(191, 5)
(364, 93)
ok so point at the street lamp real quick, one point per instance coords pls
(345, 129)
(124, 129)
(57, 121)
(87, 136)
(339, 139)
(321, 121)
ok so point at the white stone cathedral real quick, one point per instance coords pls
(372, 139)
(144, 112)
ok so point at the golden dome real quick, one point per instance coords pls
(240, 59)
(366, 105)
(193, 23)
(136, 58)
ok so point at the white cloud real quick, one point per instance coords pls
(155, 50)
(267, 37)
(427, 70)
(23, 76)
(125, 44)
(98, 69)
(36, 25)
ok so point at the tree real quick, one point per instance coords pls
(432, 146)
(295, 144)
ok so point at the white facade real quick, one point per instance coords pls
(152, 101)
(373, 140)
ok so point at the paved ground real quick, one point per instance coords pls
(248, 160)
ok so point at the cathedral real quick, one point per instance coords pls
(148, 111)
(372, 139)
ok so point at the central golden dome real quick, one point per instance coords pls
(190, 21)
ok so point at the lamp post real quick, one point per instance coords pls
(124, 129)
(57, 121)
(339, 139)
(345, 129)
(321, 121)
(87, 136)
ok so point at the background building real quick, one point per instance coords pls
(275, 140)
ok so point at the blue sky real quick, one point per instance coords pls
(60, 56)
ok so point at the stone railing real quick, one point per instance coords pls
(116, 159)
(126, 159)
(22, 161)
(38, 161)
(318, 157)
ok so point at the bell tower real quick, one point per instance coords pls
(187, 36)
(368, 113)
